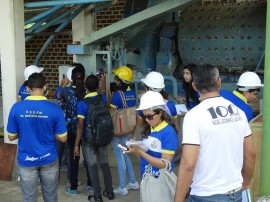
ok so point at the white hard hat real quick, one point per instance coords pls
(69, 73)
(248, 81)
(30, 70)
(154, 80)
(151, 99)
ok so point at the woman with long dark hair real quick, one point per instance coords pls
(191, 96)
(71, 95)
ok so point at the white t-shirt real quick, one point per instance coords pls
(219, 128)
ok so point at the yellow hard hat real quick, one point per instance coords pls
(124, 73)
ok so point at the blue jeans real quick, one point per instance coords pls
(48, 175)
(123, 161)
(233, 197)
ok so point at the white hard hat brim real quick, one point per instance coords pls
(156, 107)
(149, 85)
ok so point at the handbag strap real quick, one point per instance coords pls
(168, 166)
(122, 95)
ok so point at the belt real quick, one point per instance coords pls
(234, 190)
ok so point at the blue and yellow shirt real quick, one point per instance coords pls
(239, 100)
(23, 93)
(82, 106)
(117, 103)
(36, 121)
(162, 139)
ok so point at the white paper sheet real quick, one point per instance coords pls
(138, 144)
(181, 107)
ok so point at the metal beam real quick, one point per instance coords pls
(43, 14)
(144, 16)
(48, 33)
(58, 3)
(265, 150)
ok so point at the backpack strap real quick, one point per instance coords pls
(122, 95)
(96, 100)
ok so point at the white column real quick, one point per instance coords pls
(83, 25)
(12, 47)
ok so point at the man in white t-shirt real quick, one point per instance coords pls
(218, 155)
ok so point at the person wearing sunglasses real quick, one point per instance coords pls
(158, 134)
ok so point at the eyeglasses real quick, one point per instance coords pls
(150, 117)
(116, 78)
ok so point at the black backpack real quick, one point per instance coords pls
(71, 110)
(99, 125)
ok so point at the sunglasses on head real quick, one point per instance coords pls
(150, 117)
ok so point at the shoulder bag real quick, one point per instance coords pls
(124, 120)
(158, 188)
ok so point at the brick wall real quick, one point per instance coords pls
(54, 56)
(56, 53)
(111, 15)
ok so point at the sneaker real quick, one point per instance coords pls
(133, 186)
(71, 192)
(68, 185)
(121, 191)
(110, 196)
(95, 199)
(90, 189)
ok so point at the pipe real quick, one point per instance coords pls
(48, 33)
(174, 82)
(43, 14)
(99, 8)
(260, 62)
(265, 150)
(51, 23)
(103, 6)
(60, 28)
(58, 3)
(37, 24)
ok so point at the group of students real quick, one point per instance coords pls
(35, 122)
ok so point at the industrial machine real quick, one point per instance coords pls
(166, 35)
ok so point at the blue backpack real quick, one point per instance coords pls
(71, 109)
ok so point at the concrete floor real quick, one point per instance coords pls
(10, 190)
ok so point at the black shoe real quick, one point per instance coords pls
(110, 196)
(95, 198)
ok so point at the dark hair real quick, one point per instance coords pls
(162, 92)
(25, 83)
(36, 80)
(92, 83)
(249, 90)
(205, 78)
(190, 93)
(77, 75)
(146, 129)
(123, 86)
(78, 65)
